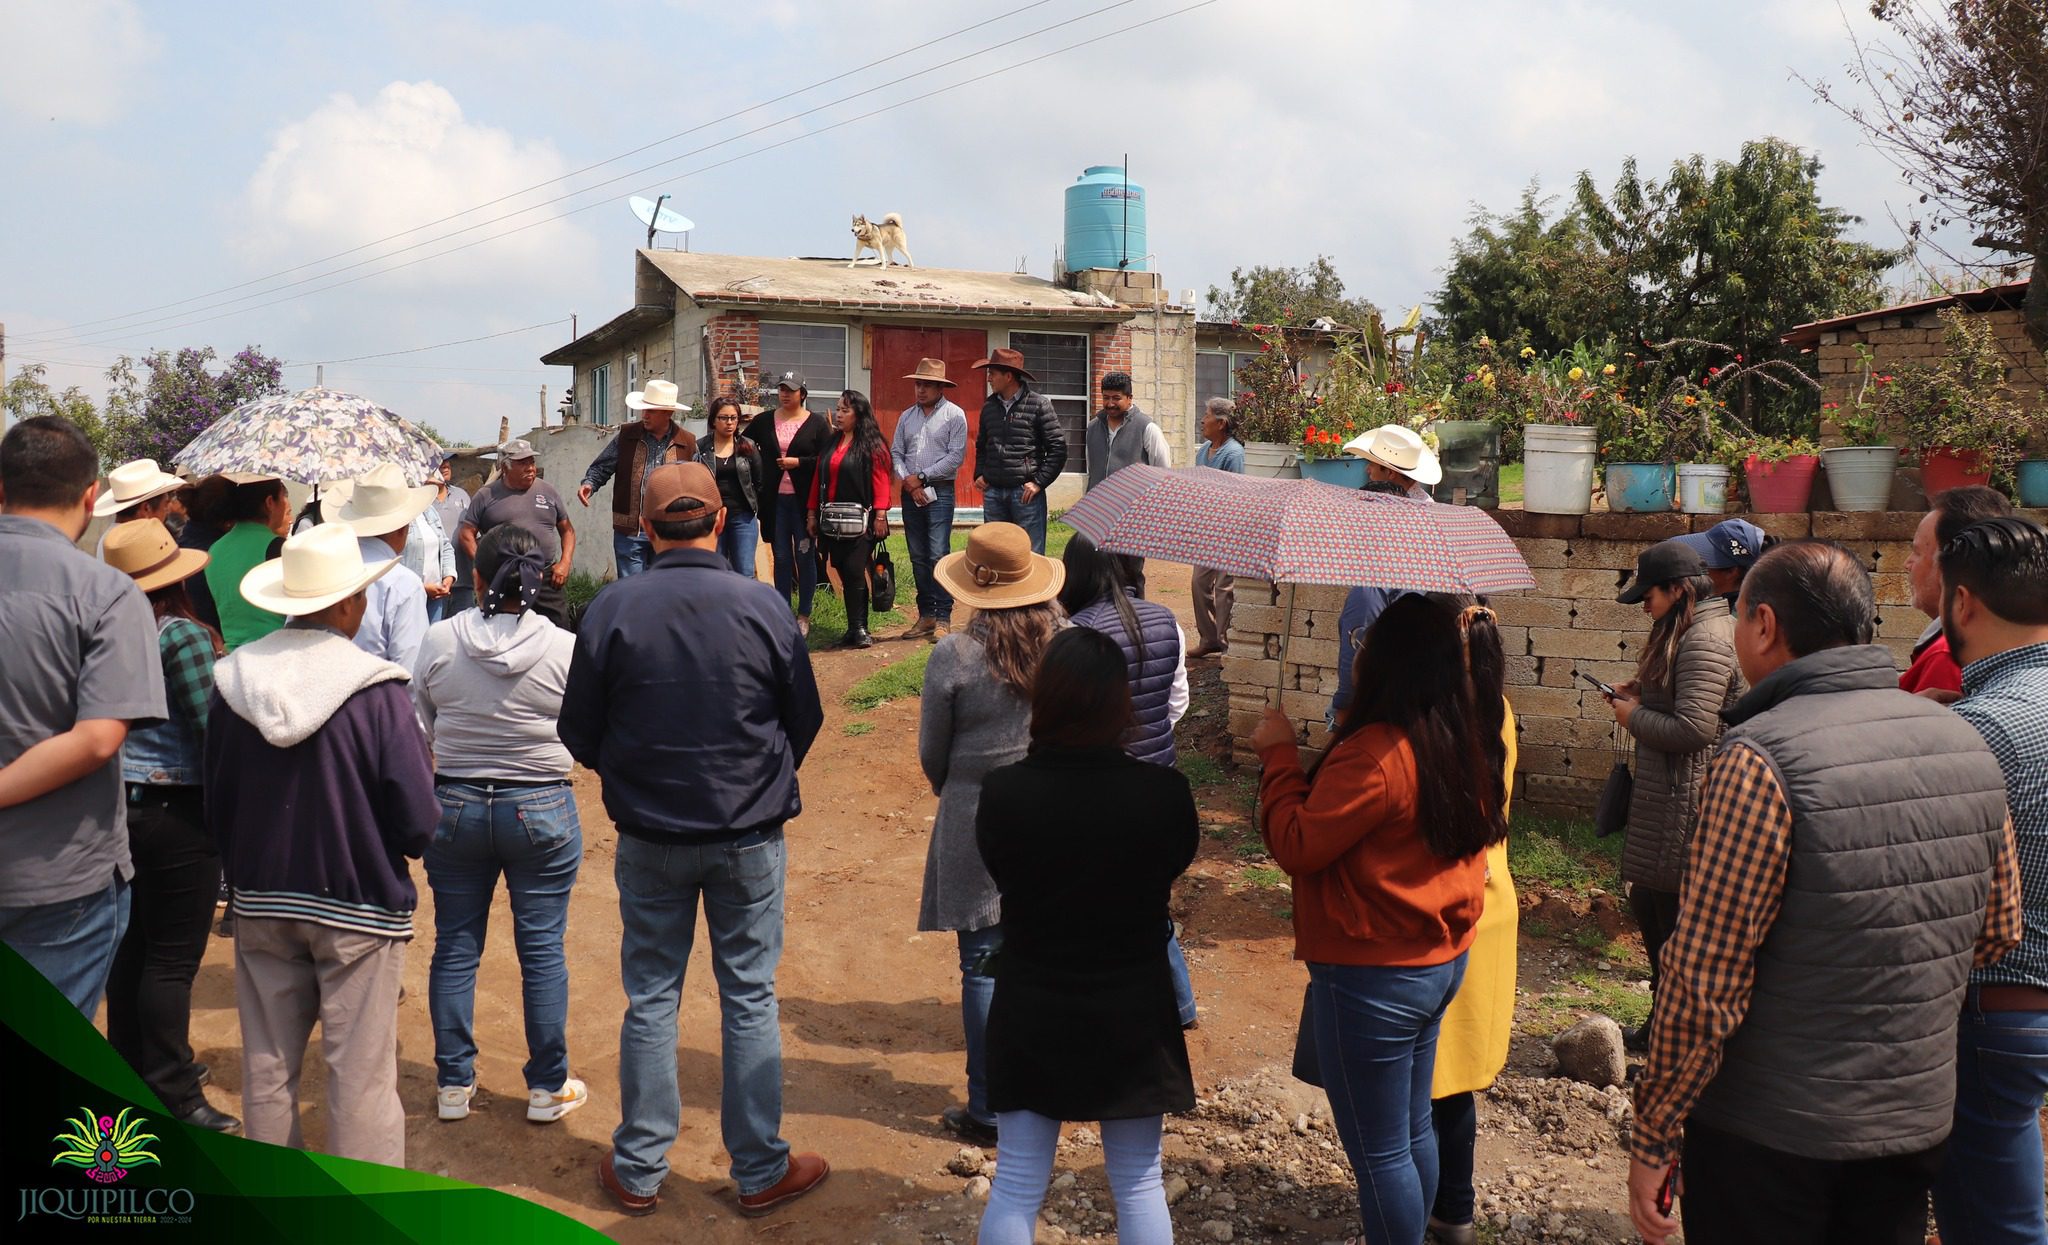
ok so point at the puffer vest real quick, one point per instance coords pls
(1898, 814)
(1107, 457)
(631, 468)
(1151, 733)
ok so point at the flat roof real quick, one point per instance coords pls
(746, 280)
(1990, 298)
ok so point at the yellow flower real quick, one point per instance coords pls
(1528, 352)
(1577, 373)
(1608, 370)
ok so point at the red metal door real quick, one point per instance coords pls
(893, 352)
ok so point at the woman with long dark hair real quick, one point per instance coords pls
(972, 718)
(735, 462)
(1084, 842)
(850, 511)
(1385, 841)
(255, 514)
(1687, 675)
(177, 865)
(790, 436)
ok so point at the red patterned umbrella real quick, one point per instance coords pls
(1299, 531)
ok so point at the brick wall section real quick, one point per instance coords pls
(1569, 624)
(1916, 338)
(730, 331)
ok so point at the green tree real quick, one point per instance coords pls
(28, 395)
(1268, 295)
(157, 411)
(1526, 277)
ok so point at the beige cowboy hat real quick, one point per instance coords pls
(933, 370)
(320, 566)
(144, 551)
(1400, 449)
(998, 571)
(131, 484)
(660, 395)
(377, 501)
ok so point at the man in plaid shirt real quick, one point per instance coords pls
(1852, 860)
(1994, 611)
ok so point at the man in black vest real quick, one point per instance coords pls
(1851, 861)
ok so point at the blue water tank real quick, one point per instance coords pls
(1105, 221)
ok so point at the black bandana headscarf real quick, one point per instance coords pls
(517, 582)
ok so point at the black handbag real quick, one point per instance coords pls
(882, 582)
(1308, 1065)
(842, 520)
(1610, 816)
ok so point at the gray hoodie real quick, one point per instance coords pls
(489, 691)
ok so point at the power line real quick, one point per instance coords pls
(1009, 68)
(545, 324)
(731, 116)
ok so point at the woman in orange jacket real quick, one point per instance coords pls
(1385, 841)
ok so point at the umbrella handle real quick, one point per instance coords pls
(1286, 645)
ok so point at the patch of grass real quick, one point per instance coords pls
(1250, 849)
(1263, 877)
(1200, 770)
(856, 729)
(1224, 833)
(581, 590)
(1511, 484)
(1537, 929)
(899, 680)
(1563, 854)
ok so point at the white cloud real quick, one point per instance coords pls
(79, 61)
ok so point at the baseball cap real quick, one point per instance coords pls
(1660, 564)
(791, 380)
(516, 450)
(668, 484)
(1730, 544)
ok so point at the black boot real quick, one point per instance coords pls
(202, 1115)
(858, 639)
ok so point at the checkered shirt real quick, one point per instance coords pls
(187, 653)
(1734, 884)
(2006, 698)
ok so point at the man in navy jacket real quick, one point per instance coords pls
(691, 695)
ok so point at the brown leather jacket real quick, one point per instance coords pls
(625, 460)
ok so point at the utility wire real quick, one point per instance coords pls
(545, 324)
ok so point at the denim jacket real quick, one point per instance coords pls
(166, 753)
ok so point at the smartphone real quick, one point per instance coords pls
(1603, 688)
(1667, 1191)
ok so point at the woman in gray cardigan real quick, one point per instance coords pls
(976, 716)
(1686, 676)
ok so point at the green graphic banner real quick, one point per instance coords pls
(91, 1155)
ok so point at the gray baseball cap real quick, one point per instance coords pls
(516, 450)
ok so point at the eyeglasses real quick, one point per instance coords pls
(726, 419)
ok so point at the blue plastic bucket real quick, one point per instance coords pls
(2033, 475)
(1345, 470)
(1639, 488)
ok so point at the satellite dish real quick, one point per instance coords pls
(657, 218)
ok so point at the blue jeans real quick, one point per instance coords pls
(631, 552)
(736, 544)
(977, 991)
(71, 942)
(1183, 987)
(1990, 1183)
(928, 531)
(1024, 1157)
(1376, 1033)
(741, 885)
(796, 554)
(531, 834)
(1007, 505)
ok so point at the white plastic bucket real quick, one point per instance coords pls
(1860, 476)
(1272, 460)
(1557, 474)
(1702, 488)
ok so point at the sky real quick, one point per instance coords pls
(224, 174)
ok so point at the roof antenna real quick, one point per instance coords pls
(659, 219)
(1124, 243)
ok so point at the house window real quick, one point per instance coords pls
(1060, 363)
(601, 394)
(1216, 374)
(632, 373)
(817, 351)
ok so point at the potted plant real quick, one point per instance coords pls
(1860, 470)
(1271, 403)
(1958, 412)
(2031, 476)
(1637, 449)
(1777, 472)
(1702, 447)
(1561, 431)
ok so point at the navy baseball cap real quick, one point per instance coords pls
(1733, 544)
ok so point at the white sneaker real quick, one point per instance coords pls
(543, 1107)
(452, 1102)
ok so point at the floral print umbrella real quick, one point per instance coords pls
(313, 436)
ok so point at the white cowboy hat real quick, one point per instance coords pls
(377, 501)
(1400, 449)
(131, 484)
(320, 566)
(660, 395)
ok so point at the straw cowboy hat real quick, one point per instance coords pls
(377, 501)
(131, 484)
(1400, 449)
(1011, 359)
(933, 370)
(998, 571)
(144, 552)
(320, 566)
(660, 395)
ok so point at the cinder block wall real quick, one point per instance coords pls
(1569, 624)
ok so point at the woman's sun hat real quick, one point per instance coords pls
(998, 571)
(320, 566)
(377, 501)
(1400, 449)
(131, 484)
(143, 550)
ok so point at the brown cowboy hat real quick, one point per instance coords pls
(1004, 358)
(998, 571)
(143, 550)
(933, 370)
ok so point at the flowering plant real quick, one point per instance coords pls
(1958, 402)
(1272, 399)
